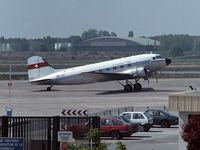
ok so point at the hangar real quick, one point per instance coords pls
(136, 44)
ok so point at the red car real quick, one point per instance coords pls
(114, 128)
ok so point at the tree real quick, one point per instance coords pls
(113, 34)
(91, 33)
(74, 39)
(49, 43)
(37, 45)
(18, 44)
(175, 51)
(130, 34)
(191, 132)
(103, 33)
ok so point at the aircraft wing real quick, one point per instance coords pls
(99, 77)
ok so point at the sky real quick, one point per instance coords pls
(63, 18)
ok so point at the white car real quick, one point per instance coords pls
(139, 117)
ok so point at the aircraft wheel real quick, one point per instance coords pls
(48, 88)
(137, 87)
(128, 88)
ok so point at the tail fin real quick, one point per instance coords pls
(38, 67)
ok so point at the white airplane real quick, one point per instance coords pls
(127, 68)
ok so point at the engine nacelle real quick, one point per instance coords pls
(137, 72)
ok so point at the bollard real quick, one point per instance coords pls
(9, 111)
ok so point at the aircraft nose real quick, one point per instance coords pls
(168, 61)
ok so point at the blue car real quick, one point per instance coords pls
(162, 118)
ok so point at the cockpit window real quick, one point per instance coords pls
(158, 57)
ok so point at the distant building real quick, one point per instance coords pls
(57, 46)
(5, 47)
(121, 44)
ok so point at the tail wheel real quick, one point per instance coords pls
(115, 135)
(165, 124)
(48, 88)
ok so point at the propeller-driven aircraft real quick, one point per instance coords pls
(127, 68)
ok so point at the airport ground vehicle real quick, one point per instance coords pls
(135, 126)
(114, 128)
(139, 117)
(162, 118)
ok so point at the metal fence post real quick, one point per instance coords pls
(49, 142)
(4, 126)
(132, 108)
(56, 125)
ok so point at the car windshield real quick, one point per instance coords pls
(147, 115)
(125, 119)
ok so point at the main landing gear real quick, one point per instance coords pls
(129, 87)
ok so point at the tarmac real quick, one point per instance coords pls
(33, 100)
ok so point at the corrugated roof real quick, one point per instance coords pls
(140, 40)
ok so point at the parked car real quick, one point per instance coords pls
(162, 118)
(139, 117)
(114, 128)
(135, 126)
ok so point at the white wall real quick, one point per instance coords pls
(183, 118)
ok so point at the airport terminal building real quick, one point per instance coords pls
(136, 44)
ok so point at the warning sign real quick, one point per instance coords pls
(11, 143)
(64, 136)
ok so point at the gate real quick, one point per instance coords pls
(41, 133)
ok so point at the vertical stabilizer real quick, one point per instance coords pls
(38, 67)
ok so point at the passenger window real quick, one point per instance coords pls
(109, 122)
(151, 113)
(114, 68)
(116, 123)
(107, 69)
(161, 114)
(128, 115)
(154, 58)
(129, 65)
(139, 116)
(158, 57)
(103, 122)
(121, 66)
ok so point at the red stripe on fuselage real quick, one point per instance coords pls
(37, 66)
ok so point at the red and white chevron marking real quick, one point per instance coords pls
(74, 112)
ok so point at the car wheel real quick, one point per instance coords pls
(141, 128)
(165, 124)
(147, 129)
(115, 135)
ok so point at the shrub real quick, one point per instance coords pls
(191, 132)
